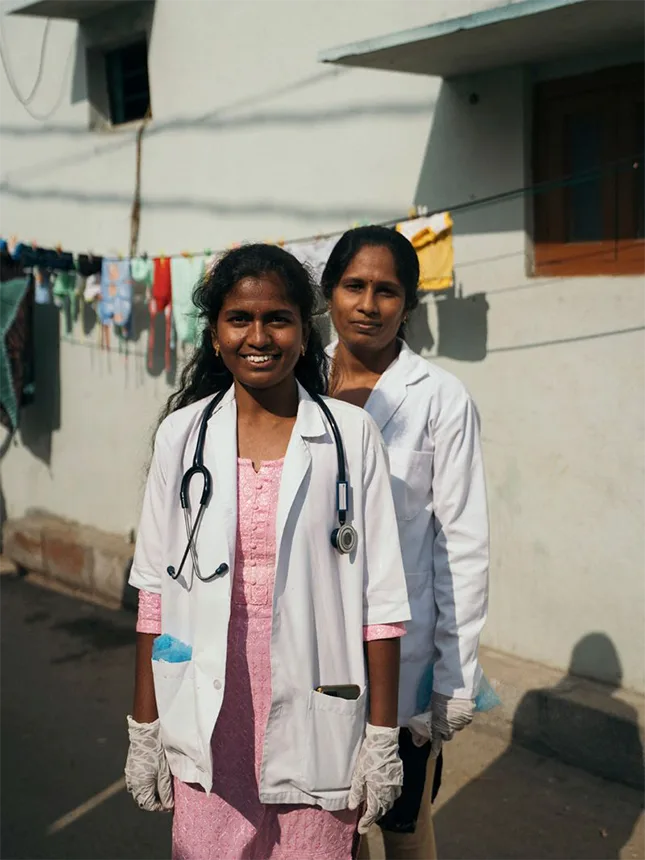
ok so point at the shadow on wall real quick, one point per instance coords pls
(508, 805)
(613, 749)
(39, 420)
(4, 447)
(464, 161)
(462, 326)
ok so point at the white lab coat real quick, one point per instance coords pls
(431, 429)
(321, 599)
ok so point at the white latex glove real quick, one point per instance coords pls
(147, 774)
(445, 717)
(378, 776)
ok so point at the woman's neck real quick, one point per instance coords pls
(265, 420)
(361, 362)
(279, 401)
(355, 373)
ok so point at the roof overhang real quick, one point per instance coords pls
(522, 32)
(72, 10)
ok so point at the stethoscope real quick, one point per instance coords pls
(343, 538)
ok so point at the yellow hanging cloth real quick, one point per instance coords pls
(431, 237)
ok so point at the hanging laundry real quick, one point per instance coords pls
(432, 240)
(186, 272)
(142, 270)
(115, 307)
(16, 341)
(161, 302)
(42, 281)
(86, 265)
(92, 290)
(313, 253)
(64, 292)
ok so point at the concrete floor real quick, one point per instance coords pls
(67, 685)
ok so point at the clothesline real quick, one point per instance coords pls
(56, 258)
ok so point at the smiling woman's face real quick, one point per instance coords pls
(259, 332)
(368, 303)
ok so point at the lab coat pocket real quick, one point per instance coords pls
(175, 695)
(411, 476)
(334, 734)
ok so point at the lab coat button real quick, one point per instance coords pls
(217, 684)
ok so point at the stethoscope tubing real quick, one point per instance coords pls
(198, 468)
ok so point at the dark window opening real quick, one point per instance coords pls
(126, 71)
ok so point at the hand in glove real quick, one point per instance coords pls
(445, 717)
(147, 774)
(378, 775)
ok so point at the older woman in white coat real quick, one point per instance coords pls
(431, 429)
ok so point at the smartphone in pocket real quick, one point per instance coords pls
(340, 691)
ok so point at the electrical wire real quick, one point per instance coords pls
(26, 101)
(628, 163)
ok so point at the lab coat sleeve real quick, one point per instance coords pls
(385, 595)
(460, 546)
(147, 565)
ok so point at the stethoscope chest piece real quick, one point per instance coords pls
(344, 539)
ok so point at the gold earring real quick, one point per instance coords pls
(217, 350)
(303, 350)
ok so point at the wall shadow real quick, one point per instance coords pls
(464, 136)
(79, 74)
(418, 334)
(520, 810)
(463, 326)
(40, 419)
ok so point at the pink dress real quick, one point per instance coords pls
(231, 823)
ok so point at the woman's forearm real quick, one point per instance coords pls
(145, 703)
(383, 658)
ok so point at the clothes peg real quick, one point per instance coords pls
(207, 252)
(281, 242)
(58, 248)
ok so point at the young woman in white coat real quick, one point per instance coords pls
(250, 710)
(431, 430)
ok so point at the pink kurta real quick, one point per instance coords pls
(231, 822)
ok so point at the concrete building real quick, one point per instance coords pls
(279, 119)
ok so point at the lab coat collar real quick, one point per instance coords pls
(392, 387)
(309, 420)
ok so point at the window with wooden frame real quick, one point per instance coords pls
(588, 166)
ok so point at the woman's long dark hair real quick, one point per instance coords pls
(350, 243)
(205, 374)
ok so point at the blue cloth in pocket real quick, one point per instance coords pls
(485, 700)
(171, 650)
